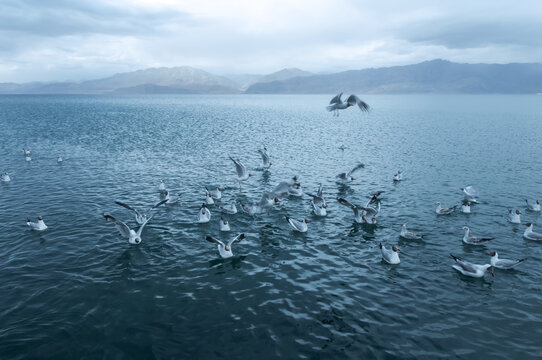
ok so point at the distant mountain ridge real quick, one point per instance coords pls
(435, 76)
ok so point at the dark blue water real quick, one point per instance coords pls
(79, 290)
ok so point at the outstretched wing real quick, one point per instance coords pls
(239, 167)
(356, 168)
(127, 207)
(158, 204)
(121, 227)
(354, 100)
(346, 203)
(236, 239)
(142, 226)
(212, 239)
(336, 99)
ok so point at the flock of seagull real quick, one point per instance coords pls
(363, 214)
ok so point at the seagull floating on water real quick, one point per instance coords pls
(6, 177)
(405, 234)
(465, 207)
(224, 224)
(217, 195)
(444, 211)
(533, 207)
(295, 190)
(209, 197)
(337, 104)
(59, 159)
(530, 234)
(26, 152)
(133, 237)
(514, 217)
(38, 226)
(391, 256)
(300, 226)
(361, 211)
(282, 189)
(204, 215)
(318, 199)
(171, 200)
(471, 240)
(162, 187)
(503, 263)
(141, 217)
(470, 269)
(225, 249)
(228, 209)
(398, 176)
(347, 177)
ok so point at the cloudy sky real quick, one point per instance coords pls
(47, 40)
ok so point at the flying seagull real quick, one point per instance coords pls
(337, 104)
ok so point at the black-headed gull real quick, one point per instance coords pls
(391, 256)
(217, 195)
(38, 226)
(503, 263)
(225, 249)
(204, 215)
(472, 240)
(162, 187)
(6, 177)
(470, 269)
(398, 176)
(337, 104)
(26, 152)
(171, 200)
(228, 209)
(59, 159)
(470, 193)
(319, 210)
(347, 177)
(300, 226)
(444, 211)
(133, 237)
(224, 224)
(141, 216)
(514, 216)
(533, 207)
(241, 169)
(209, 197)
(465, 207)
(530, 234)
(318, 199)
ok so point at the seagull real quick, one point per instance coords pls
(282, 189)
(391, 256)
(503, 263)
(38, 226)
(470, 269)
(347, 177)
(225, 250)
(268, 200)
(357, 213)
(251, 209)
(398, 176)
(300, 226)
(6, 177)
(318, 199)
(319, 210)
(28, 158)
(217, 195)
(514, 217)
(133, 237)
(224, 225)
(141, 217)
(265, 157)
(533, 207)
(169, 199)
(444, 211)
(530, 234)
(470, 193)
(59, 159)
(241, 169)
(465, 208)
(471, 240)
(162, 187)
(337, 104)
(405, 234)
(26, 152)
(228, 209)
(204, 215)
(209, 197)
(295, 190)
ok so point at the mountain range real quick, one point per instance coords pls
(435, 76)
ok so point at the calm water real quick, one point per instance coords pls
(78, 290)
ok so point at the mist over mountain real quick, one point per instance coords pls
(436, 76)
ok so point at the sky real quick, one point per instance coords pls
(58, 40)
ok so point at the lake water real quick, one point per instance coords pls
(79, 290)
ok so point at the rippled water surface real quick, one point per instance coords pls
(78, 290)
